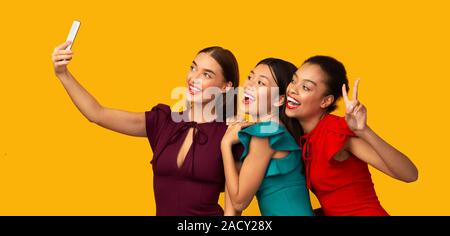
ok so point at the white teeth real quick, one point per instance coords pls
(194, 89)
(292, 100)
(246, 95)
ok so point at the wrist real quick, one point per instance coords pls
(363, 133)
(62, 74)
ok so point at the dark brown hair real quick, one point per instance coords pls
(283, 71)
(337, 76)
(230, 70)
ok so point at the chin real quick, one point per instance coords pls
(198, 98)
(292, 114)
(248, 110)
(289, 113)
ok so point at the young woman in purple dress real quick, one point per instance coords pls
(187, 162)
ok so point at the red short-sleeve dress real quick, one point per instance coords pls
(343, 188)
(194, 188)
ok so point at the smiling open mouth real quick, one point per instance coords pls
(193, 90)
(292, 103)
(248, 98)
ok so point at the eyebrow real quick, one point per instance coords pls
(307, 80)
(264, 76)
(207, 70)
(210, 71)
(252, 72)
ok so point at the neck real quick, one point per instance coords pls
(196, 113)
(309, 124)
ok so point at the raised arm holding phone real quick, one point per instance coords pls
(188, 174)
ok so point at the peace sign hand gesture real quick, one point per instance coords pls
(356, 113)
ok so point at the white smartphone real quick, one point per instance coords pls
(73, 33)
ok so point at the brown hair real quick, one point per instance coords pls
(230, 70)
(283, 71)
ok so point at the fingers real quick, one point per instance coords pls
(360, 108)
(62, 52)
(62, 63)
(241, 124)
(344, 94)
(63, 46)
(350, 108)
(232, 123)
(246, 124)
(355, 90)
(356, 107)
(62, 57)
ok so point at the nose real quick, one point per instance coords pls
(248, 87)
(195, 79)
(291, 90)
(249, 84)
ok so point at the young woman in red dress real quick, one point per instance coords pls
(337, 150)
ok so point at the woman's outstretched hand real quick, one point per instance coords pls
(61, 58)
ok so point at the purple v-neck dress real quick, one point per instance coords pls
(194, 188)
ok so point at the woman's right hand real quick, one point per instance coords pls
(61, 58)
(231, 135)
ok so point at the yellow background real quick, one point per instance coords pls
(130, 54)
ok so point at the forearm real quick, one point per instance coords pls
(231, 173)
(82, 99)
(232, 180)
(229, 208)
(400, 165)
(129, 123)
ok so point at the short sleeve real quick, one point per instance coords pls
(155, 120)
(279, 137)
(336, 135)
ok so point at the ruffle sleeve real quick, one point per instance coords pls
(279, 139)
(336, 135)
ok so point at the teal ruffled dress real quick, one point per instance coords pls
(283, 190)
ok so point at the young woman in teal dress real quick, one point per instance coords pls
(271, 166)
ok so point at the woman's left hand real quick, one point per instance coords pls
(355, 112)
